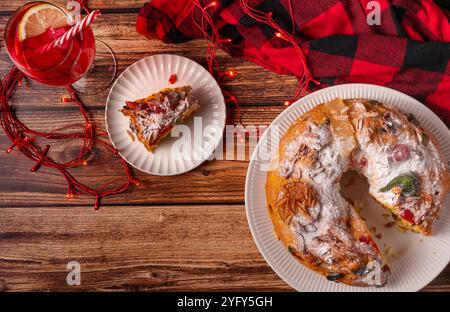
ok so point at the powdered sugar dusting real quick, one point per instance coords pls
(327, 168)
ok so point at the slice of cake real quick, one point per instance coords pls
(153, 118)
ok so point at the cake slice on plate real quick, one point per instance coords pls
(153, 118)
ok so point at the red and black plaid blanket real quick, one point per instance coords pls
(409, 50)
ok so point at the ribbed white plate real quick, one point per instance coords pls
(419, 259)
(148, 76)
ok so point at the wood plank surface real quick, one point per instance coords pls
(132, 248)
(183, 233)
(141, 248)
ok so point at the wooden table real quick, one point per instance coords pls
(172, 233)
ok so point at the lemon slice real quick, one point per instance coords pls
(40, 18)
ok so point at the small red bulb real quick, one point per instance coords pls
(231, 73)
(135, 182)
(287, 103)
(212, 4)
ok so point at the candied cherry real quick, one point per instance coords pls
(401, 153)
(408, 215)
(363, 162)
(173, 78)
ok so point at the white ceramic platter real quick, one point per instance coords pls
(418, 259)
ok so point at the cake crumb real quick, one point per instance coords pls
(130, 135)
(390, 253)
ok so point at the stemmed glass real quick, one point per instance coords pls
(83, 62)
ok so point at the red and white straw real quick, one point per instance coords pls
(72, 32)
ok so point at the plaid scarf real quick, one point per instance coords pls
(408, 51)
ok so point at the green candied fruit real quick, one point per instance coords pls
(424, 138)
(408, 182)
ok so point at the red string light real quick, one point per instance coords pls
(70, 193)
(267, 18)
(231, 73)
(39, 162)
(211, 33)
(66, 99)
(135, 182)
(212, 4)
(22, 137)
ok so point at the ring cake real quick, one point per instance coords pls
(401, 161)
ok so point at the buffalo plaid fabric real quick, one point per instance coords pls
(409, 51)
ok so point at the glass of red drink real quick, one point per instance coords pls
(38, 23)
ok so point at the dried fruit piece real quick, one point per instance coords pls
(407, 215)
(365, 239)
(363, 162)
(407, 182)
(401, 153)
(173, 78)
(341, 126)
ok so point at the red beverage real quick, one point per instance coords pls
(37, 24)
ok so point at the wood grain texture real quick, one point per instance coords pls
(220, 181)
(132, 248)
(183, 233)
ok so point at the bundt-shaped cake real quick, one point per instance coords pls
(404, 167)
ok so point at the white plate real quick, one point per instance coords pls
(419, 259)
(148, 76)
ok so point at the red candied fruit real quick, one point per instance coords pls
(407, 215)
(363, 162)
(173, 78)
(401, 153)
